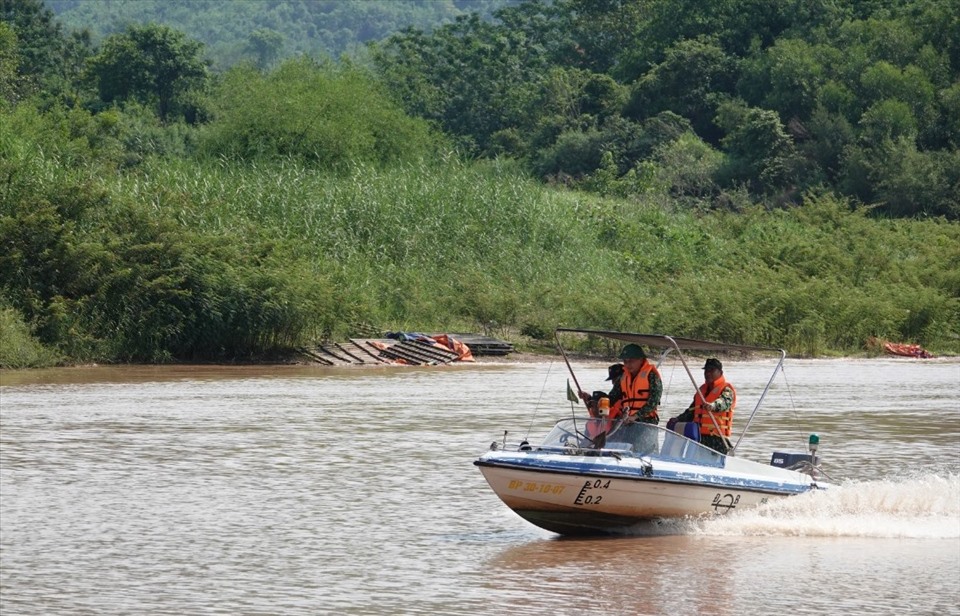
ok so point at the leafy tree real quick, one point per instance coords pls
(659, 130)
(266, 45)
(151, 64)
(8, 63)
(881, 38)
(787, 77)
(575, 153)
(885, 121)
(760, 152)
(687, 167)
(886, 167)
(603, 34)
(883, 80)
(38, 33)
(472, 77)
(608, 181)
(937, 22)
(571, 94)
(737, 25)
(315, 28)
(615, 145)
(912, 182)
(836, 97)
(950, 116)
(326, 115)
(46, 60)
(690, 81)
(829, 136)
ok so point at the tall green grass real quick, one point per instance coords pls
(415, 245)
(445, 245)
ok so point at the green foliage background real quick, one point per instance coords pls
(271, 209)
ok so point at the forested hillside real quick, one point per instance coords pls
(705, 100)
(768, 173)
(267, 32)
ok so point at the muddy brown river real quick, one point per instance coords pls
(310, 490)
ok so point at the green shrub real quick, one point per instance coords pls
(18, 347)
(314, 113)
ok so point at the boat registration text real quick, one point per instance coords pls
(536, 486)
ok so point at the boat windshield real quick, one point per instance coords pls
(634, 439)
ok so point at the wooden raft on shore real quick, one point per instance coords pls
(387, 351)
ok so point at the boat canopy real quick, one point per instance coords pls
(669, 342)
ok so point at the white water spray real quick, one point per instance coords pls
(922, 507)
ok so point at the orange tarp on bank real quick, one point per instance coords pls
(456, 346)
(906, 350)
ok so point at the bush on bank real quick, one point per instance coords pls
(99, 276)
(18, 348)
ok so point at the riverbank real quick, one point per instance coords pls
(525, 353)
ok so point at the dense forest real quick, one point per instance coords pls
(266, 32)
(771, 173)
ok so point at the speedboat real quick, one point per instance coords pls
(596, 475)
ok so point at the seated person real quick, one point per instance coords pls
(712, 408)
(614, 372)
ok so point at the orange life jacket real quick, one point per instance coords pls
(702, 415)
(635, 390)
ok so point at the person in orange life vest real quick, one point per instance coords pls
(614, 372)
(602, 410)
(641, 387)
(716, 399)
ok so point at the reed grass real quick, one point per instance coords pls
(434, 245)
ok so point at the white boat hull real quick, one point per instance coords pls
(588, 494)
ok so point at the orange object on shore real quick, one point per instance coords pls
(456, 346)
(906, 350)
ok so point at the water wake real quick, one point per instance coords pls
(921, 507)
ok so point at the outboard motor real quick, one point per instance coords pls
(803, 462)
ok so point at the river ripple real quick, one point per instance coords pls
(302, 490)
